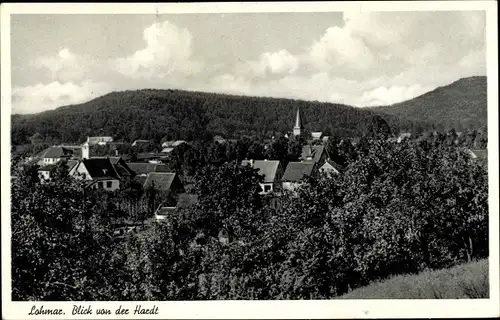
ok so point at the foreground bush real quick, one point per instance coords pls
(466, 281)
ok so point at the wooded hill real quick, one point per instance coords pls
(461, 105)
(175, 114)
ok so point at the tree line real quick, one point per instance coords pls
(173, 114)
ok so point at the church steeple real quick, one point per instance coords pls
(297, 130)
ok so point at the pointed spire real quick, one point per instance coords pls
(297, 130)
(298, 122)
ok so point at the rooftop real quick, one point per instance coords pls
(160, 180)
(296, 171)
(268, 168)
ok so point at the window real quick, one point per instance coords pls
(267, 188)
(99, 185)
(109, 184)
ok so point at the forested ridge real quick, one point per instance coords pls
(175, 114)
(461, 105)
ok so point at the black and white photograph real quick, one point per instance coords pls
(261, 154)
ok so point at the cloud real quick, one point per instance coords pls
(386, 43)
(167, 53)
(64, 66)
(42, 97)
(389, 95)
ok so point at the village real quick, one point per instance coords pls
(150, 170)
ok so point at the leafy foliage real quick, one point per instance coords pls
(396, 208)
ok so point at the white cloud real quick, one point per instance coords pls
(64, 66)
(42, 97)
(388, 95)
(167, 53)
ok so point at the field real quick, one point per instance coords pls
(466, 281)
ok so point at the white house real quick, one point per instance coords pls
(102, 141)
(53, 155)
(329, 167)
(100, 173)
(272, 172)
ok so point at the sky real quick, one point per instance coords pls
(360, 59)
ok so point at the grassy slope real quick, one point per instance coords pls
(461, 102)
(460, 282)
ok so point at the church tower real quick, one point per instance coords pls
(297, 130)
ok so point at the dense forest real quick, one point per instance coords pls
(461, 105)
(173, 114)
(396, 208)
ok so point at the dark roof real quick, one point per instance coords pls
(123, 172)
(161, 180)
(55, 152)
(145, 168)
(186, 200)
(315, 152)
(100, 168)
(295, 171)
(268, 168)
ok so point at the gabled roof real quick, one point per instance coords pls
(296, 171)
(480, 153)
(145, 168)
(330, 163)
(100, 168)
(161, 180)
(315, 152)
(268, 168)
(55, 152)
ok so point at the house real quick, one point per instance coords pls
(99, 172)
(46, 172)
(329, 167)
(316, 154)
(479, 155)
(219, 139)
(316, 135)
(272, 172)
(139, 142)
(184, 200)
(295, 172)
(54, 154)
(102, 141)
(172, 143)
(403, 136)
